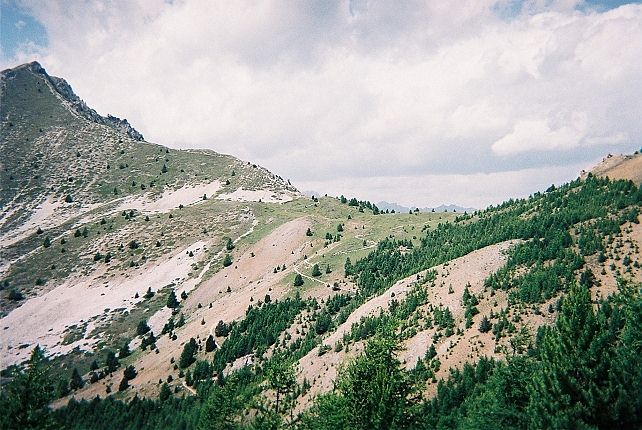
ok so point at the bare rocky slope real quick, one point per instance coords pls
(619, 167)
(87, 202)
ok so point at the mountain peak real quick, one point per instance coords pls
(62, 159)
(61, 87)
(618, 167)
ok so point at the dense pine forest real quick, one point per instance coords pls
(581, 372)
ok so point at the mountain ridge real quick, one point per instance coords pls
(58, 150)
(67, 93)
(145, 271)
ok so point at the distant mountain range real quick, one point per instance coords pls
(441, 208)
(383, 205)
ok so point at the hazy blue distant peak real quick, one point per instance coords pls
(441, 208)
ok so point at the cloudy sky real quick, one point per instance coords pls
(414, 102)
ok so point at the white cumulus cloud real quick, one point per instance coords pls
(352, 91)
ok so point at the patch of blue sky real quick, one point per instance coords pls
(18, 29)
(602, 5)
(510, 9)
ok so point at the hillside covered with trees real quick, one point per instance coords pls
(581, 371)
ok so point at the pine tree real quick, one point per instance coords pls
(431, 352)
(210, 344)
(281, 377)
(316, 271)
(24, 401)
(323, 323)
(76, 381)
(221, 329)
(124, 384)
(124, 350)
(142, 328)
(227, 261)
(222, 407)
(298, 280)
(485, 325)
(349, 269)
(374, 392)
(62, 389)
(111, 362)
(187, 356)
(165, 392)
(130, 372)
(172, 301)
(181, 320)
